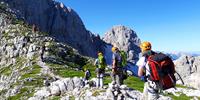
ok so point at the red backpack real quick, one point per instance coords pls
(162, 70)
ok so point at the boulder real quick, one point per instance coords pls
(55, 90)
(62, 86)
(44, 92)
(69, 84)
(78, 83)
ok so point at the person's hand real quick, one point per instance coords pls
(113, 70)
(129, 73)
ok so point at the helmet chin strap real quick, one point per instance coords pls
(146, 53)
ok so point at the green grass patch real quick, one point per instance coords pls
(69, 73)
(6, 70)
(90, 67)
(28, 85)
(24, 93)
(33, 73)
(2, 92)
(62, 71)
(107, 80)
(71, 98)
(72, 64)
(55, 98)
(36, 82)
(20, 62)
(181, 97)
(181, 86)
(135, 83)
(43, 33)
(17, 21)
(95, 93)
(6, 35)
(3, 6)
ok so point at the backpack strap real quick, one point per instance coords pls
(145, 76)
(147, 56)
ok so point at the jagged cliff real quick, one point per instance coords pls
(22, 51)
(60, 22)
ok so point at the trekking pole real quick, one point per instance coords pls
(180, 77)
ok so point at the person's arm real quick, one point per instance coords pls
(113, 63)
(140, 71)
(95, 62)
(141, 64)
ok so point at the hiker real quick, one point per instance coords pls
(150, 91)
(42, 52)
(152, 65)
(100, 64)
(116, 74)
(35, 28)
(123, 55)
(87, 76)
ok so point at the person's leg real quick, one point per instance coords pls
(153, 96)
(121, 77)
(118, 79)
(98, 80)
(145, 91)
(101, 80)
(41, 57)
(113, 77)
(152, 91)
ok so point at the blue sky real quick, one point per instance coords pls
(170, 25)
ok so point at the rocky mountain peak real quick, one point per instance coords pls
(125, 39)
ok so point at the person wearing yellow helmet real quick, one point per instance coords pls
(100, 63)
(116, 74)
(100, 54)
(145, 46)
(114, 49)
(150, 91)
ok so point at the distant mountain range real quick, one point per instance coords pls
(175, 54)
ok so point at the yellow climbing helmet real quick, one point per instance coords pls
(100, 53)
(114, 49)
(145, 46)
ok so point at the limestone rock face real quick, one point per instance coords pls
(125, 39)
(24, 55)
(59, 21)
(188, 68)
